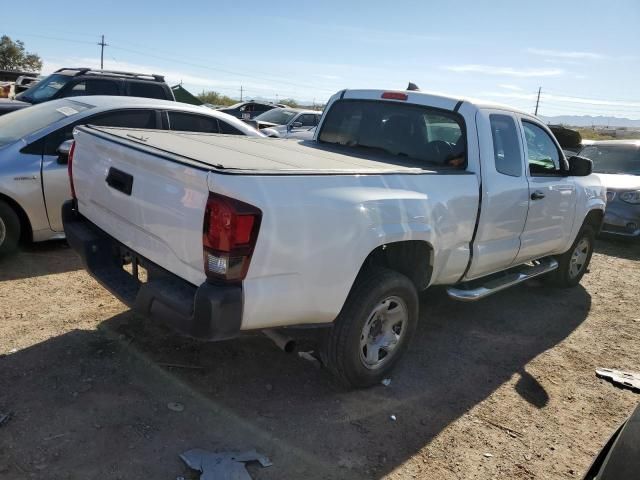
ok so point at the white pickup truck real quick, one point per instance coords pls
(398, 191)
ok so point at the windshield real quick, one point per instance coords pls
(404, 130)
(21, 123)
(279, 116)
(45, 89)
(613, 158)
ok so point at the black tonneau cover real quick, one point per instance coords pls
(259, 155)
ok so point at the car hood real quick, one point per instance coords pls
(8, 105)
(619, 181)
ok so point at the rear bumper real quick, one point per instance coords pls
(208, 312)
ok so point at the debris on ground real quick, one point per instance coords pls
(487, 455)
(310, 357)
(628, 380)
(386, 382)
(4, 418)
(393, 418)
(175, 406)
(223, 465)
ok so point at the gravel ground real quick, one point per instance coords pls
(504, 388)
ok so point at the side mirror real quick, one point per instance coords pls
(580, 166)
(296, 125)
(63, 152)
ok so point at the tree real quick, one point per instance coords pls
(215, 98)
(14, 57)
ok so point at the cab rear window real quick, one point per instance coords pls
(417, 133)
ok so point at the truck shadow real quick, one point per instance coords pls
(36, 259)
(109, 388)
(627, 249)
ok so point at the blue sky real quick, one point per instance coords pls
(584, 54)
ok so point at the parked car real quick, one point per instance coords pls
(281, 122)
(34, 146)
(24, 82)
(342, 231)
(617, 163)
(248, 110)
(75, 82)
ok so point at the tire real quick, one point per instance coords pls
(573, 264)
(381, 310)
(9, 229)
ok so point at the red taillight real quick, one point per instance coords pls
(70, 169)
(394, 96)
(229, 235)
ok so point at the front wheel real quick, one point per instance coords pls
(573, 264)
(9, 229)
(373, 329)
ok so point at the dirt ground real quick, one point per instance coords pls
(504, 388)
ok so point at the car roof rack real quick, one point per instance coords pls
(114, 73)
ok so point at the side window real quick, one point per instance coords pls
(257, 107)
(93, 87)
(228, 129)
(308, 120)
(506, 149)
(125, 118)
(187, 122)
(148, 90)
(542, 154)
(121, 118)
(77, 90)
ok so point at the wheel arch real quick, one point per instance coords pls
(594, 218)
(26, 231)
(412, 258)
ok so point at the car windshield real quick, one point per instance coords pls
(45, 89)
(21, 123)
(619, 159)
(404, 130)
(279, 116)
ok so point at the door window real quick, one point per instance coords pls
(148, 90)
(228, 129)
(308, 120)
(187, 122)
(543, 156)
(120, 118)
(506, 149)
(93, 87)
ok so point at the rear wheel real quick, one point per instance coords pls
(574, 263)
(373, 329)
(9, 229)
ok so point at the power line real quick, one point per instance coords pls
(568, 95)
(224, 70)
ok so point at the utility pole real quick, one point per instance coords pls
(538, 101)
(240, 92)
(102, 44)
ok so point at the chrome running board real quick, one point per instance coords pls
(483, 287)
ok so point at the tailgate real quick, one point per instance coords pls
(150, 204)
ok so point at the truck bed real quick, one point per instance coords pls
(236, 154)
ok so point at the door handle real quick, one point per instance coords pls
(537, 195)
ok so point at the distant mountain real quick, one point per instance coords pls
(588, 121)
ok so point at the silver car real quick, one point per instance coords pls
(34, 144)
(282, 122)
(617, 163)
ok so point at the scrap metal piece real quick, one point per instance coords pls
(222, 465)
(628, 380)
